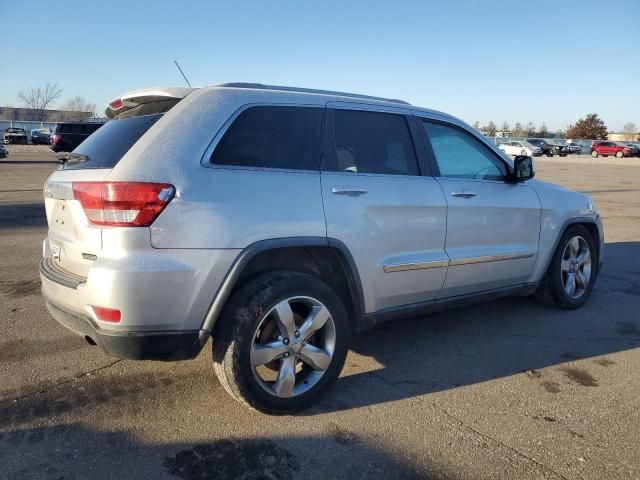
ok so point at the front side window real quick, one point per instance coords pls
(460, 155)
(272, 137)
(371, 142)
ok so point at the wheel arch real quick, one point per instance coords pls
(592, 227)
(327, 258)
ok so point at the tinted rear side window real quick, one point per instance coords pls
(371, 142)
(110, 142)
(272, 137)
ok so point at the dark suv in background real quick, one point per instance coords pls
(65, 137)
(548, 149)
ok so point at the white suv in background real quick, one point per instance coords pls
(520, 147)
(279, 221)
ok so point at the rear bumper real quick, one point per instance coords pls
(163, 345)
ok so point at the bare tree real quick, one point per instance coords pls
(490, 129)
(530, 129)
(77, 108)
(518, 130)
(630, 130)
(39, 98)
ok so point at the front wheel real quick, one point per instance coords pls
(594, 154)
(572, 272)
(281, 342)
(549, 153)
(619, 154)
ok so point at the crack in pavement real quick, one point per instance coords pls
(64, 382)
(484, 435)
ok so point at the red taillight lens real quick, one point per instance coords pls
(107, 314)
(123, 204)
(116, 104)
(56, 139)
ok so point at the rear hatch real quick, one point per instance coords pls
(75, 227)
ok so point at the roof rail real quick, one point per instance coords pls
(261, 86)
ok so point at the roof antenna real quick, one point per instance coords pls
(182, 73)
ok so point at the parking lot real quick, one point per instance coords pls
(506, 389)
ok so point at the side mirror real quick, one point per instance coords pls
(523, 168)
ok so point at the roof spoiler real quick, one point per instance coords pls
(137, 97)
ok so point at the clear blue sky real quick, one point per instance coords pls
(551, 61)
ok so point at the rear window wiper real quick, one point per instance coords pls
(70, 157)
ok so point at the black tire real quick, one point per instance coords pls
(550, 153)
(234, 331)
(551, 292)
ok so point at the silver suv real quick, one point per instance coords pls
(279, 221)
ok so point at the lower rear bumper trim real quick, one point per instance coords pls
(160, 345)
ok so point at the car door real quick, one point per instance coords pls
(493, 225)
(609, 148)
(391, 218)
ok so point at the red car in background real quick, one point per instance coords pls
(609, 148)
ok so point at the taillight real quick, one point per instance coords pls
(123, 204)
(116, 104)
(56, 139)
(107, 314)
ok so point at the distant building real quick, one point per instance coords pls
(11, 114)
(623, 136)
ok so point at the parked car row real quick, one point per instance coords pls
(536, 147)
(64, 137)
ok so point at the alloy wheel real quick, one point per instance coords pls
(576, 267)
(293, 346)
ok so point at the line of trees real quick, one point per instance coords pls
(42, 98)
(518, 130)
(591, 127)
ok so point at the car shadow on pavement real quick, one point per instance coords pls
(512, 336)
(76, 452)
(21, 215)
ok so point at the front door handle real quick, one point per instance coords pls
(463, 194)
(348, 190)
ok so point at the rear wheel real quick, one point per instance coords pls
(281, 342)
(572, 272)
(594, 154)
(619, 154)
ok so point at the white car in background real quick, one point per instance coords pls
(520, 147)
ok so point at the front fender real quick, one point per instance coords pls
(562, 208)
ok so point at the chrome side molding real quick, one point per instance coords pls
(403, 267)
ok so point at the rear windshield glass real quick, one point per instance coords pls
(109, 143)
(79, 128)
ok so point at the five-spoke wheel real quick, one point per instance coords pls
(572, 271)
(576, 267)
(293, 346)
(281, 342)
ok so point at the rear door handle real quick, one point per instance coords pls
(463, 194)
(348, 190)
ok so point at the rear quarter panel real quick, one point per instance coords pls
(218, 207)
